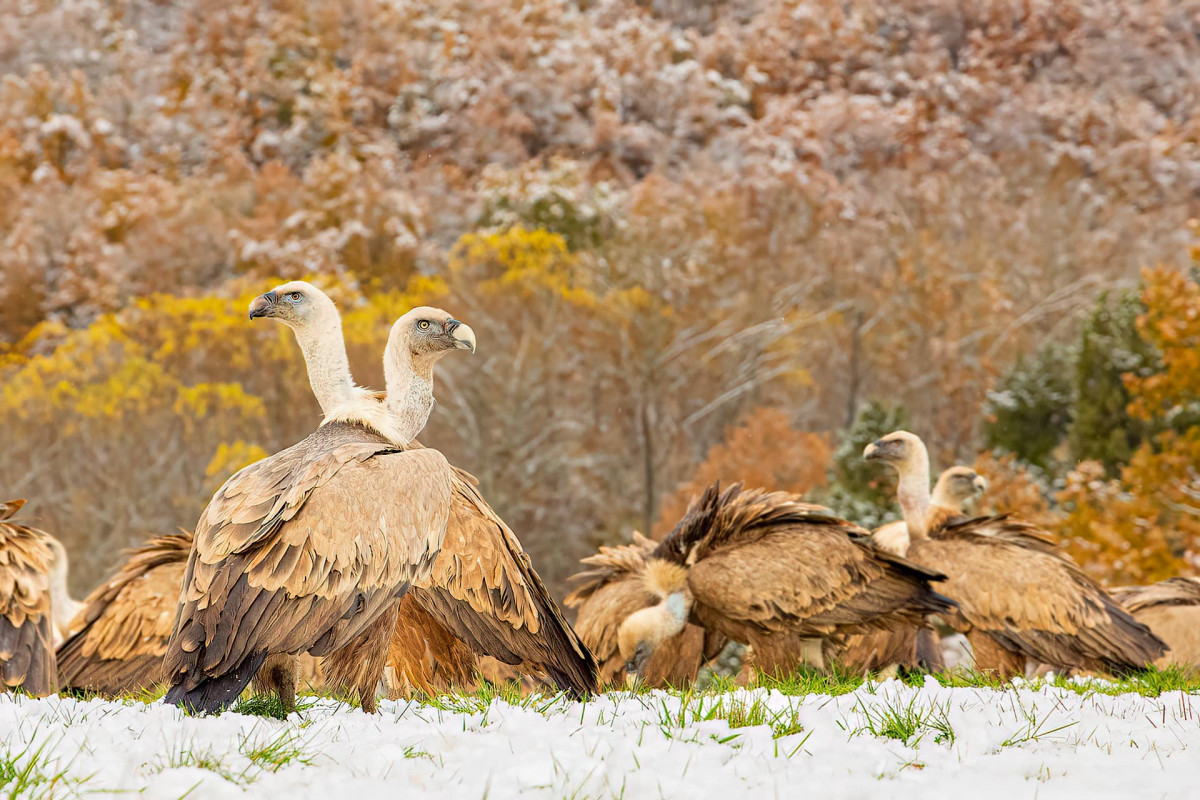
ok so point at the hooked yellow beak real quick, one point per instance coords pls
(464, 337)
(263, 305)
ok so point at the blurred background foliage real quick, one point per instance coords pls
(727, 240)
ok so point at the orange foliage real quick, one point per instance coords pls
(1013, 489)
(1145, 526)
(764, 451)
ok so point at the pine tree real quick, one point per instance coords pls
(1110, 346)
(858, 490)
(1029, 413)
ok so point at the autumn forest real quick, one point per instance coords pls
(728, 240)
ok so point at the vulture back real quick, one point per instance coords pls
(1014, 585)
(303, 552)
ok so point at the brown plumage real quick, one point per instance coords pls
(423, 656)
(768, 570)
(118, 638)
(956, 488)
(1171, 609)
(613, 588)
(26, 616)
(911, 646)
(302, 552)
(484, 592)
(483, 597)
(1019, 596)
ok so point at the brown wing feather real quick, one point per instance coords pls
(768, 564)
(301, 552)
(483, 589)
(119, 636)
(423, 656)
(1171, 592)
(809, 581)
(26, 637)
(1032, 600)
(1171, 609)
(720, 520)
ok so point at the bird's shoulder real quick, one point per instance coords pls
(259, 498)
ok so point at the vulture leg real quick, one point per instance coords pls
(991, 658)
(779, 656)
(360, 664)
(929, 651)
(278, 676)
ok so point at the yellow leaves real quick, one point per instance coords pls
(368, 322)
(1120, 533)
(529, 262)
(202, 400)
(144, 363)
(229, 458)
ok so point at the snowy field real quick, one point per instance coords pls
(883, 740)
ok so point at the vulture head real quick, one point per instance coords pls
(297, 304)
(640, 635)
(958, 486)
(906, 453)
(897, 450)
(426, 334)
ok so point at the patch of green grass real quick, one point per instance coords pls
(1035, 726)
(837, 680)
(147, 694)
(905, 721)
(273, 753)
(29, 773)
(267, 705)
(1150, 682)
(959, 679)
(189, 756)
(737, 712)
(264, 750)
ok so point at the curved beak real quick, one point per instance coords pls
(637, 663)
(872, 451)
(263, 305)
(980, 483)
(461, 334)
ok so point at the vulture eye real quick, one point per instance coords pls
(423, 324)
(294, 296)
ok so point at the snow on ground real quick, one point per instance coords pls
(978, 743)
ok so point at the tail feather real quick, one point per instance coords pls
(937, 603)
(216, 693)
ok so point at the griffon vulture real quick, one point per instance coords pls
(614, 587)
(27, 597)
(483, 597)
(311, 549)
(118, 638)
(773, 572)
(956, 488)
(1018, 597)
(1171, 609)
(910, 645)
